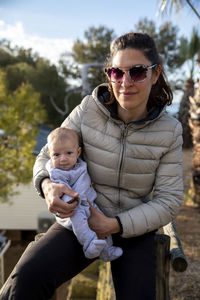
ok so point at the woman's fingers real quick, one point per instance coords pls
(68, 191)
(53, 193)
(64, 215)
(64, 209)
(102, 225)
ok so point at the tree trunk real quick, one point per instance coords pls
(194, 123)
(184, 114)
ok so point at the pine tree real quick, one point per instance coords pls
(20, 115)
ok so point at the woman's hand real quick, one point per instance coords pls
(102, 225)
(53, 193)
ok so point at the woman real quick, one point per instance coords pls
(133, 150)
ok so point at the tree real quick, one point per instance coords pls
(175, 52)
(194, 122)
(188, 53)
(17, 73)
(14, 55)
(147, 26)
(191, 51)
(168, 43)
(168, 5)
(23, 66)
(50, 84)
(87, 56)
(184, 115)
(20, 114)
(94, 48)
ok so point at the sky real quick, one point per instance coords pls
(50, 27)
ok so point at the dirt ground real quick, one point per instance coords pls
(183, 286)
(186, 285)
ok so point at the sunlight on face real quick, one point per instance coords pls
(132, 97)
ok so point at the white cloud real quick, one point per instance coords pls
(47, 48)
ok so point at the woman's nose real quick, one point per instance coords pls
(126, 80)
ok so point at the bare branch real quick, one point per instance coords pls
(69, 91)
(56, 107)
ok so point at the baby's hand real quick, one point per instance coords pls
(73, 200)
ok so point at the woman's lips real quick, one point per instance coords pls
(127, 94)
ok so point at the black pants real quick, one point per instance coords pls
(57, 257)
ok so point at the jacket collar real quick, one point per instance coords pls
(101, 95)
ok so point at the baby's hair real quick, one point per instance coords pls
(60, 134)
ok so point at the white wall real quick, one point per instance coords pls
(22, 214)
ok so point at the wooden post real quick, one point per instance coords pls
(162, 266)
(105, 289)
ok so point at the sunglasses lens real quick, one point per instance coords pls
(115, 74)
(138, 73)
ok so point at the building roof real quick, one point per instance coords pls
(41, 140)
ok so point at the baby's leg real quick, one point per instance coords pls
(92, 246)
(110, 252)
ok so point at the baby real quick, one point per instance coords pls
(66, 167)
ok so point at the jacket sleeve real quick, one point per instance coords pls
(167, 194)
(73, 121)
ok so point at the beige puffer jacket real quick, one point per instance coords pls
(126, 163)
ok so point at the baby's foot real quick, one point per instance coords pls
(110, 253)
(95, 248)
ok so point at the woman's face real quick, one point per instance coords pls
(132, 96)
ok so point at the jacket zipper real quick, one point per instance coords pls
(123, 137)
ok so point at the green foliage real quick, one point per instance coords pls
(6, 58)
(47, 81)
(74, 100)
(167, 42)
(22, 66)
(17, 74)
(9, 55)
(20, 114)
(194, 45)
(94, 48)
(26, 55)
(166, 38)
(147, 26)
(189, 50)
(174, 50)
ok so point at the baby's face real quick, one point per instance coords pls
(64, 155)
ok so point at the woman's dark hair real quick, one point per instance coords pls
(161, 93)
